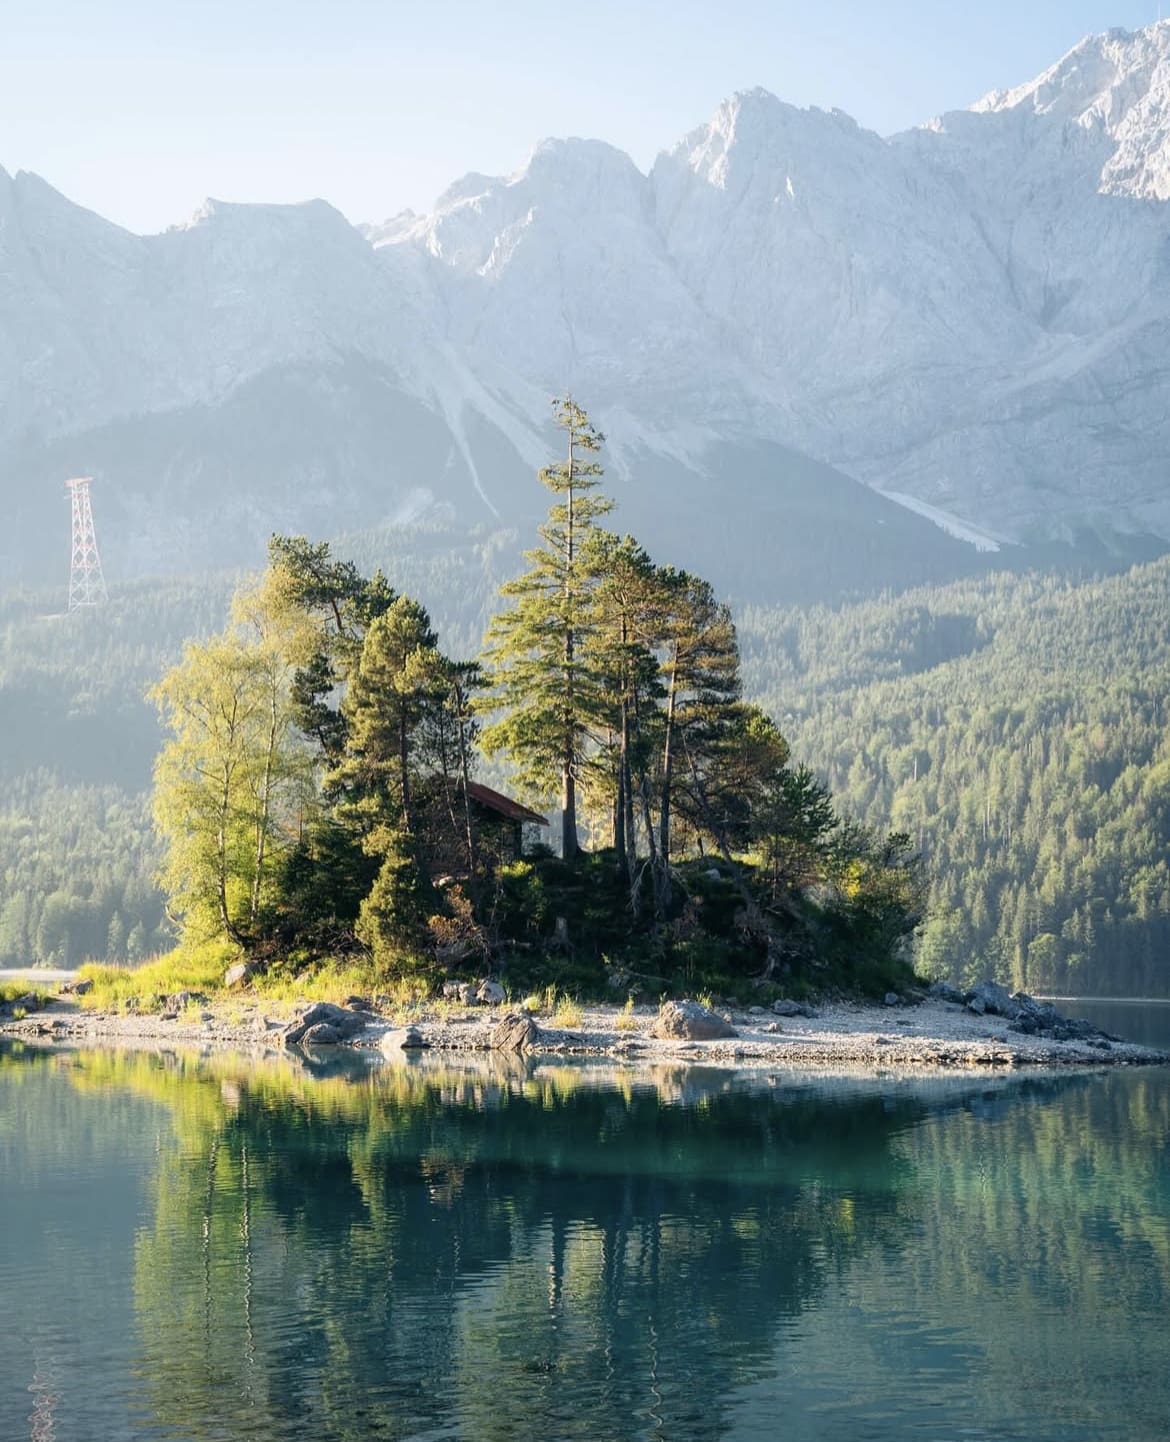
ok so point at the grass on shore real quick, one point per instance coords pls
(626, 1019)
(200, 969)
(17, 990)
(137, 988)
(564, 1011)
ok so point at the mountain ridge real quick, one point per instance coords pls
(969, 316)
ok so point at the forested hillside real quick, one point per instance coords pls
(77, 855)
(1016, 726)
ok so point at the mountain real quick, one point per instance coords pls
(787, 317)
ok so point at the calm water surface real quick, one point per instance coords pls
(1139, 1019)
(210, 1249)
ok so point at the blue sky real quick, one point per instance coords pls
(140, 110)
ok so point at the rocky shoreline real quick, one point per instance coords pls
(983, 1028)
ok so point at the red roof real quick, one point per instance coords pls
(497, 801)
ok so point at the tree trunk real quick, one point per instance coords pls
(659, 875)
(265, 806)
(719, 833)
(404, 774)
(667, 778)
(465, 769)
(569, 846)
(619, 813)
(643, 789)
(225, 802)
(630, 828)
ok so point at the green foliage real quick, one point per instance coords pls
(16, 990)
(393, 918)
(1016, 729)
(324, 878)
(77, 853)
(316, 779)
(521, 905)
(190, 967)
(76, 875)
(545, 681)
(232, 783)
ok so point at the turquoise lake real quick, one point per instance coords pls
(211, 1248)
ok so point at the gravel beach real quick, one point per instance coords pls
(839, 1036)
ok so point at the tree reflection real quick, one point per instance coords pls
(372, 1255)
(486, 1251)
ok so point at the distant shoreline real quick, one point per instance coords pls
(1112, 1000)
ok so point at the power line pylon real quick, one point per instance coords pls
(87, 585)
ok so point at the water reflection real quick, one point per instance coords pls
(366, 1256)
(492, 1251)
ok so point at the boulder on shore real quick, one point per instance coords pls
(514, 1032)
(1041, 1018)
(785, 1007)
(464, 992)
(29, 1002)
(994, 998)
(1029, 1017)
(322, 1034)
(343, 1022)
(490, 993)
(406, 1038)
(690, 1021)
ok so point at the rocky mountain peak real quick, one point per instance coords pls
(753, 129)
(956, 316)
(1118, 84)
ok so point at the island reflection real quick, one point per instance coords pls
(489, 1250)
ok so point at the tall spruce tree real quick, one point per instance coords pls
(702, 683)
(629, 619)
(541, 668)
(328, 607)
(393, 686)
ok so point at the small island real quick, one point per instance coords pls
(345, 809)
(342, 874)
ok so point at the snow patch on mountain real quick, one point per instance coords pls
(961, 530)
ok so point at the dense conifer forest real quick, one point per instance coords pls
(1013, 725)
(1017, 728)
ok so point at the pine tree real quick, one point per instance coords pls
(402, 782)
(628, 621)
(393, 916)
(543, 675)
(326, 608)
(701, 673)
(390, 691)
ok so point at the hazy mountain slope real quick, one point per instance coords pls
(973, 314)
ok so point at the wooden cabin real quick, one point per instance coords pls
(508, 827)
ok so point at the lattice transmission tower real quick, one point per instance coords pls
(87, 585)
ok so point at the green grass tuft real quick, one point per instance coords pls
(138, 988)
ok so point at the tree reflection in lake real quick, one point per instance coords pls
(370, 1255)
(488, 1252)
